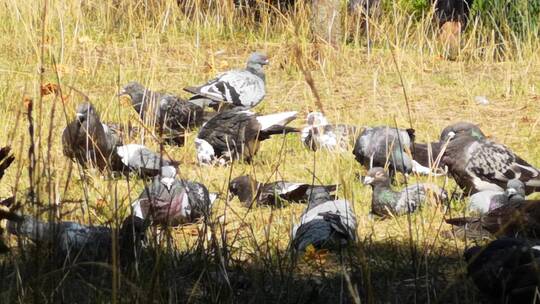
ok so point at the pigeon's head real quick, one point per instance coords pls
(316, 119)
(205, 152)
(461, 128)
(258, 59)
(84, 110)
(515, 190)
(376, 176)
(168, 176)
(134, 90)
(244, 187)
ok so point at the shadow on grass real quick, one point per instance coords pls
(372, 272)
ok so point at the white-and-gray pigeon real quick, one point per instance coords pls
(319, 134)
(487, 200)
(385, 201)
(236, 134)
(236, 88)
(326, 223)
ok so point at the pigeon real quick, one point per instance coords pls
(86, 140)
(480, 164)
(326, 223)
(139, 159)
(427, 157)
(511, 219)
(506, 270)
(172, 114)
(236, 88)
(319, 134)
(78, 242)
(487, 200)
(235, 134)
(462, 127)
(168, 201)
(385, 201)
(249, 190)
(379, 146)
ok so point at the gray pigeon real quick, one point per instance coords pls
(326, 223)
(236, 134)
(79, 242)
(236, 88)
(249, 190)
(85, 139)
(169, 201)
(381, 146)
(174, 115)
(480, 164)
(319, 134)
(385, 201)
(487, 200)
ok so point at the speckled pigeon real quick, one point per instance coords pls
(480, 164)
(506, 270)
(175, 115)
(249, 190)
(377, 146)
(79, 242)
(326, 223)
(235, 88)
(487, 200)
(319, 134)
(86, 140)
(169, 201)
(236, 134)
(425, 156)
(385, 201)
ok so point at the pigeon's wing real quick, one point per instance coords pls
(238, 87)
(226, 131)
(496, 164)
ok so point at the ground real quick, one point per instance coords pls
(96, 48)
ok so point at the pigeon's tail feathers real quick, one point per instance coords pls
(276, 129)
(280, 119)
(29, 227)
(192, 90)
(201, 101)
(461, 221)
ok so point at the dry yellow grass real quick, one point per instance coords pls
(97, 46)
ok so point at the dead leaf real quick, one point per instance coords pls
(49, 88)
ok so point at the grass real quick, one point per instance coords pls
(96, 46)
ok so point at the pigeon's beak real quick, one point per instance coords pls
(79, 116)
(121, 93)
(367, 180)
(266, 61)
(511, 191)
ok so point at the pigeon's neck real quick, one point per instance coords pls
(256, 69)
(383, 195)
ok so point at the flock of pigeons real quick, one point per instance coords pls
(495, 179)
